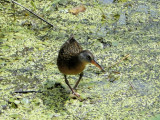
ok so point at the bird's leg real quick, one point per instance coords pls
(80, 76)
(67, 82)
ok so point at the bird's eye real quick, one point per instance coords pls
(89, 57)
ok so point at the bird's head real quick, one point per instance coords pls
(87, 57)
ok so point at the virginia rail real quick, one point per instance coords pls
(72, 60)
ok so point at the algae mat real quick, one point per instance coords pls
(129, 89)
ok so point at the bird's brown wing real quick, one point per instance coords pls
(68, 56)
(70, 48)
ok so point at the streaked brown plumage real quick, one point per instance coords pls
(72, 60)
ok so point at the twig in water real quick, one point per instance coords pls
(120, 60)
(131, 85)
(31, 91)
(32, 13)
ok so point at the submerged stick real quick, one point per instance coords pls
(131, 85)
(32, 91)
(120, 60)
(32, 13)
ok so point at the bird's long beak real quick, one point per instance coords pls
(97, 65)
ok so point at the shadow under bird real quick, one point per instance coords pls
(72, 60)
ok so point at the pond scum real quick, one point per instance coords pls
(124, 37)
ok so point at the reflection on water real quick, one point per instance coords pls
(106, 1)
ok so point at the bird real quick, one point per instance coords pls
(72, 60)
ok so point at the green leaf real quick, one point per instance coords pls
(115, 43)
(33, 4)
(14, 116)
(25, 101)
(16, 101)
(5, 47)
(157, 117)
